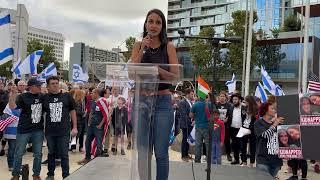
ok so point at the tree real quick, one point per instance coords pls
(207, 65)
(234, 57)
(129, 45)
(5, 69)
(268, 55)
(276, 31)
(291, 23)
(47, 56)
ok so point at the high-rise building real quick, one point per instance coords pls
(269, 14)
(81, 54)
(49, 38)
(193, 15)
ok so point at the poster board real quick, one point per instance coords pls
(301, 112)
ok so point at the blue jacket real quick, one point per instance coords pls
(184, 110)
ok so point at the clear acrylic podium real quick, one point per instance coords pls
(143, 81)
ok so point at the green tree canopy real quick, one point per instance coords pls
(129, 45)
(268, 55)
(47, 56)
(234, 58)
(5, 69)
(291, 23)
(207, 65)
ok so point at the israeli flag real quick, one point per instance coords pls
(261, 93)
(231, 84)
(15, 69)
(29, 65)
(78, 75)
(267, 81)
(6, 49)
(279, 91)
(51, 70)
(192, 137)
(172, 137)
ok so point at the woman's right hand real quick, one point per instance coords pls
(146, 42)
(277, 121)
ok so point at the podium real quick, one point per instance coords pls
(151, 106)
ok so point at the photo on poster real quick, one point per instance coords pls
(289, 139)
(309, 109)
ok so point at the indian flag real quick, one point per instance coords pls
(203, 88)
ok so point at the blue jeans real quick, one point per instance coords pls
(22, 140)
(201, 134)
(216, 152)
(94, 132)
(269, 168)
(154, 124)
(11, 149)
(58, 146)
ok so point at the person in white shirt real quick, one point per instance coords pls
(238, 114)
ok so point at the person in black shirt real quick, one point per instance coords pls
(248, 123)
(224, 110)
(30, 128)
(58, 107)
(267, 139)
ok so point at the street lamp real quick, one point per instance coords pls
(215, 41)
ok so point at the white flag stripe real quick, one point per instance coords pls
(6, 47)
(78, 75)
(29, 65)
(231, 84)
(203, 89)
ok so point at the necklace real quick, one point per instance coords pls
(154, 50)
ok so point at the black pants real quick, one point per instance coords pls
(58, 147)
(227, 143)
(252, 147)
(81, 132)
(235, 143)
(295, 164)
(184, 143)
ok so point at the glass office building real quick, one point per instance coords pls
(192, 15)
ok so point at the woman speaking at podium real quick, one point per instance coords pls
(153, 133)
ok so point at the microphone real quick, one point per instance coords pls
(150, 34)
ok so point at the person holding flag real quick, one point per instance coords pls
(30, 128)
(97, 118)
(198, 113)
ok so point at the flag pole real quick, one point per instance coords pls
(305, 47)
(247, 79)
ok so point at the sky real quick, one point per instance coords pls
(103, 24)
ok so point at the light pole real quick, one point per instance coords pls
(247, 81)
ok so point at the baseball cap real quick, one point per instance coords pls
(34, 82)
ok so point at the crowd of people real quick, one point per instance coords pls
(244, 127)
(54, 112)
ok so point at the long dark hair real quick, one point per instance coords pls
(163, 33)
(252, 105)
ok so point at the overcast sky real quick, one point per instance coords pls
(100, 23)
